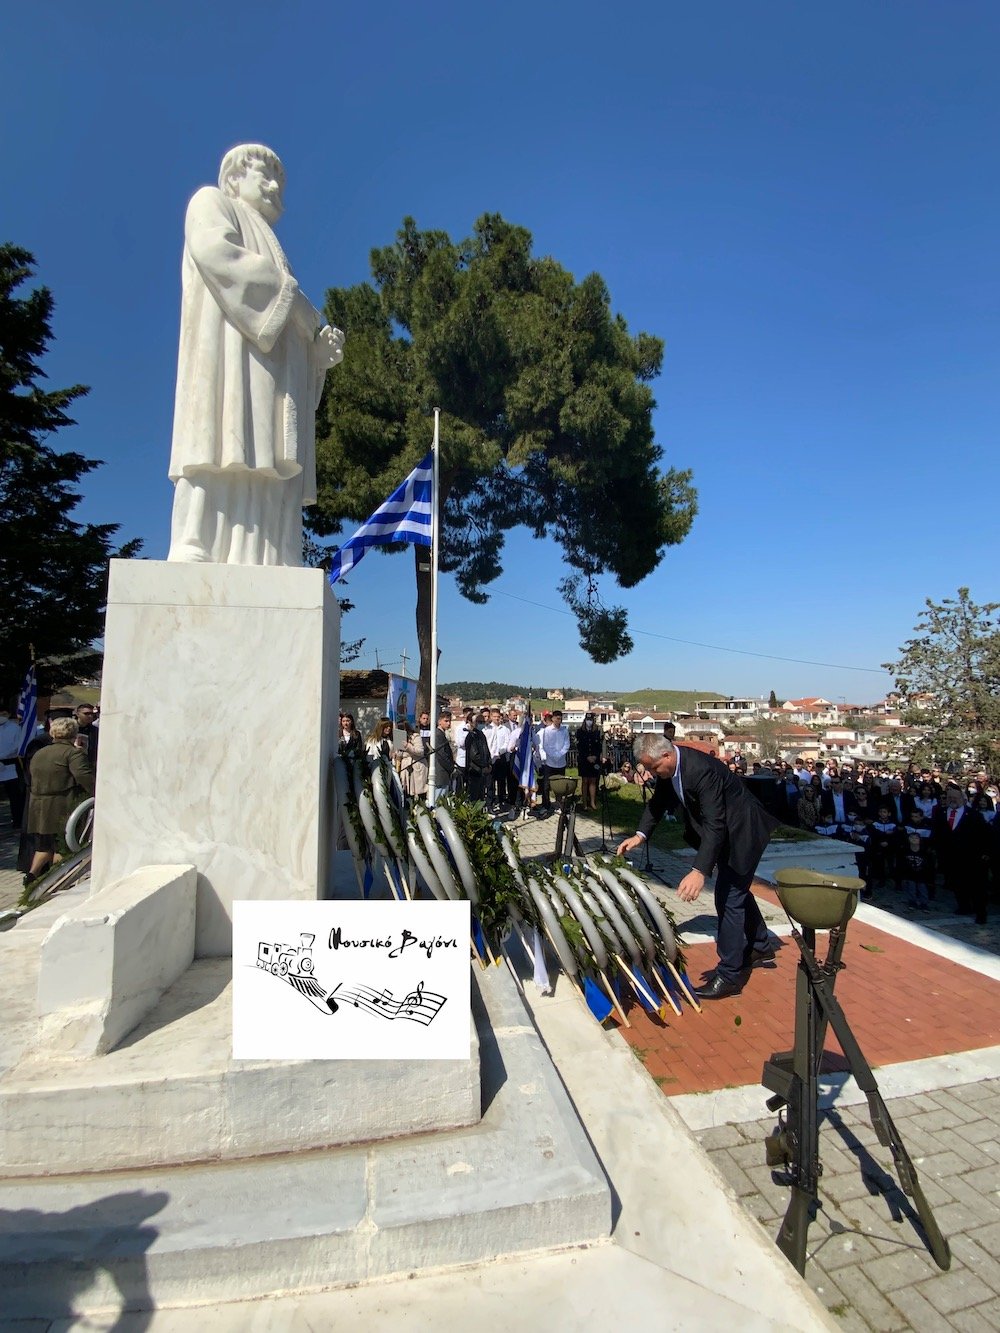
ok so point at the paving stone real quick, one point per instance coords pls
(991, 1149)
(979, 1131)
(866, 1298)
(749, 1154)
(919, 1312)
(971, 1153)
(908, 1106)
(987, 1209)
(836, 1160)
(720, 1136)
(955, 1218)
(843, 1189)
(887, 1229)
(942, 1166)
(841, 1248)
(849, 1320)
(955, 1104)
(977, 1260)
(973, 1092)
(956, 1290)
(988, 1237)
(917, 1142)
(776, 1195)
(938, 1193)
(990, 1106)
(986, 1180)
(990, 1312)
(972, 1321)
(906, 1266)
(825, 1287)
(733, 1173)
(933, 1122)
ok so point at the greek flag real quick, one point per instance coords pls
(405, 517)
(524, 756)
(27, 706)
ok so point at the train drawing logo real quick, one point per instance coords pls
(293, 963)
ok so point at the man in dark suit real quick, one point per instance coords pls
(730, 829)
(960, 838)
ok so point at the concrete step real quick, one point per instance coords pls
(171, 1092)
(525, 1178)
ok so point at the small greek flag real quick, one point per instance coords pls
(405, 517)
(27, 706)
(524, 756)
(597, 1002)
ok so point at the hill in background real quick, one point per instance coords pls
(665, 701)
(654, 701)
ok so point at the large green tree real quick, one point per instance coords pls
(53, 570)
(546, 418)
(948, 677)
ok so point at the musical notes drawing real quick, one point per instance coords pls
(418, 1006)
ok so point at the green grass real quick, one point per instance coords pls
(784, 833)
(625, 810)
(666, 701)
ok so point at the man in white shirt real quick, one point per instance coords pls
(458, 740)
(10, 780)
(514, 724)
(498, 738)
(553, 746)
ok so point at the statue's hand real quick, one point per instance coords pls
(329, 346)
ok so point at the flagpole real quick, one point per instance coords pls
(435, 534)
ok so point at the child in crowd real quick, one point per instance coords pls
(884, 848)
(917, 870)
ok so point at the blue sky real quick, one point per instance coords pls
(801, 200)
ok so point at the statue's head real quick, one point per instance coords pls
(253, 173)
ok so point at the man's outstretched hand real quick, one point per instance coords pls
(690, 886)
(630, 844)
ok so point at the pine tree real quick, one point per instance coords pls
(53, 570)
(546, 418)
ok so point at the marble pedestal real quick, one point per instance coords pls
(219, 717)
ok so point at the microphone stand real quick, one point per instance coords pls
(645, 801)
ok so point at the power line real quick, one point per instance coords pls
(695, 643)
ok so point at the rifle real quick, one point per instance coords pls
(793, 1076)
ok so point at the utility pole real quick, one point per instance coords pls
(402, 658)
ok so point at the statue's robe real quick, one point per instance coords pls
(247, 389)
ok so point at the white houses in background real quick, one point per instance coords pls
(731, 708)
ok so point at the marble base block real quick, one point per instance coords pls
(219, 719)
(107, 961)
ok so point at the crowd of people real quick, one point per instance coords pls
(916, 831)
(478, 756)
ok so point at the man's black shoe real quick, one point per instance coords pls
(761, 956)
(718, 989)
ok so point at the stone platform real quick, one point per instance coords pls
(171, 1093)
(525, 1178)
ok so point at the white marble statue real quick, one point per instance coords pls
(253, 356)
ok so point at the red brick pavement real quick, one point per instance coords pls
(903, 1003)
